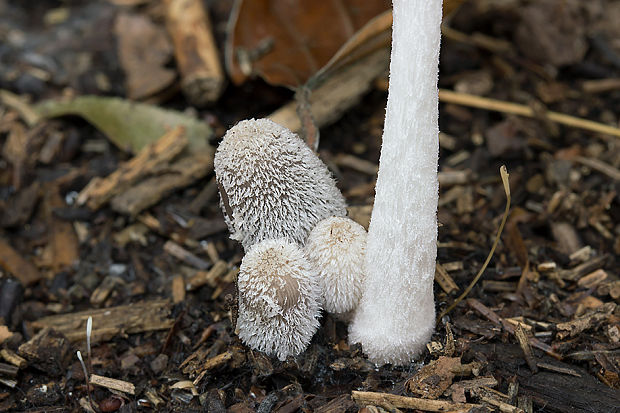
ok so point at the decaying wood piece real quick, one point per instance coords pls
(113, 384)
(113, 321)
(390, 401)
(49, 350)
(595, 317)
(202, 77)
(148, 161)
(555, 392)
(433, 379)
(338, 93)
(500, 322)
(12, 262)
(177, 175)
(457, 390)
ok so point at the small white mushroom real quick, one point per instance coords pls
(278, 299)
(337, 248)
(271, 184)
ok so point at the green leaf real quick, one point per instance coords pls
(129, 125)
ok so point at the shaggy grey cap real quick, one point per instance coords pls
(337, 248)
(278, 299)
(271, 184)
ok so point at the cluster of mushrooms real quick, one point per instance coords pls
(301, 253)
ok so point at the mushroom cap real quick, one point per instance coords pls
(337, 248)
(271, 184)
(278, 299)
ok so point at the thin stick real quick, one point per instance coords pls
(403, 402)
(504, 175)
(474, 101)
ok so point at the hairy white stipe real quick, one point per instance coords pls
(337, 248)
(396, 315)
(278, 299)
(271, 184)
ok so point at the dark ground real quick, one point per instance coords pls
(554, 276)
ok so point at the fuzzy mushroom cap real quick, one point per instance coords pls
(272, 185)
(337, 248)
(278, 299)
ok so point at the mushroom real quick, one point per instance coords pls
(278, 298)
(396, 315)
(337, 246)
(272, 185)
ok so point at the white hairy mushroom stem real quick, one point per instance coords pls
(337, 248)
(272, 185)
(278, 299)
(396, 315)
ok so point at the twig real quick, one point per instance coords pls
(521, 336)
(599, 166)
(465, 99)
(393, 400)
(504, 175)
(113, 384)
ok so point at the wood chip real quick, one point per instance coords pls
(389, 401)
(7, 370)
(593, 279)
(182, 254)
(196, 52)
(583, 269)
(433, 379)
(210, 277)
(113, 321)
(12, 262)
(497, 320)
(5, 334)
(574, 327)
(143, 49)
(113, 384)
(523, 339)
(11, 357)
(150, 159)
(178, 289)
(212, 363)
(64, 244)
(444, 280)
(179, 174)
(338, 93)
(49, 351)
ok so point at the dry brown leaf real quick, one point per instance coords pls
(287, 42)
